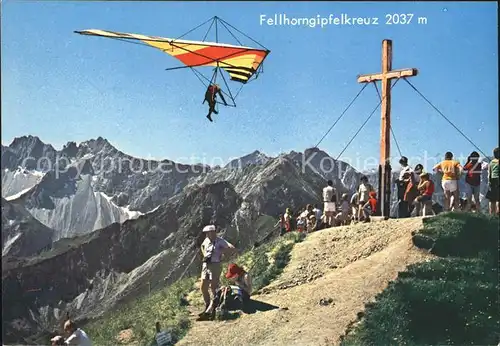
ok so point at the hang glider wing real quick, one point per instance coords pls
(240, 62)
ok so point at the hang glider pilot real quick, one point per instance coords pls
(211, 98)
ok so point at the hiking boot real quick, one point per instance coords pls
(210, 118)
(215, 112)
(204, 311)
(204, 317)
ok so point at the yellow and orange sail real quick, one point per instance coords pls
(238, 61)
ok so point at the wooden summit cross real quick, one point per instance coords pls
(384, 177)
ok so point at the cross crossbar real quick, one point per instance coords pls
(367, 78)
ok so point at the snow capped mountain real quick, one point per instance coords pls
(85, 187)
(16, 183)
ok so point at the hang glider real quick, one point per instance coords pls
(241, 63)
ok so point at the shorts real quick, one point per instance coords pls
(493, 192)
(449, 185)
(329, 207)
(472, 190)
(343, 216)
(209, 271)
(424, 198)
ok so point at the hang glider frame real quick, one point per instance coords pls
(217, 71)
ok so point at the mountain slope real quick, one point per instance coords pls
(350, 265)
(22, 235)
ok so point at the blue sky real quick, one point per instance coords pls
(64, 87)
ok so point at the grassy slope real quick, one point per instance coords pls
(450, 300)
(169, 305)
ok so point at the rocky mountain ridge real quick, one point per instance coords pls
(22, 234)
(85, 187)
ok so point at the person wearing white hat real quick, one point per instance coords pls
(212, 249)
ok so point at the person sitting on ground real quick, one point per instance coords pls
(232, 297)
(312, 224)
(413, 192)
(472, 179)
(302, 221)
(426, 189)
(317, 213)
(363, 195)
(451, 170)
(370, 207)
(76, 336)
(493, 183)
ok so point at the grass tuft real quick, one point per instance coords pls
(450, 300)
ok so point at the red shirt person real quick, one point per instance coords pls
(473, 179)
(211, 97)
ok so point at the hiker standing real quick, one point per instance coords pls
(451, 170)
(493, 183)
(473, 180)
(363, 195)
(406, 188)
(288, 220)
(329, 199)
(354, 206)
(343, 216)
(281, 224)
(212, 248)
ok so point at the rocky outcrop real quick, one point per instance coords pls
(22, 234)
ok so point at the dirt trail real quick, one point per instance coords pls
(350, 265)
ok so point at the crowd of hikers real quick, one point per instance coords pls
(415, 189)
